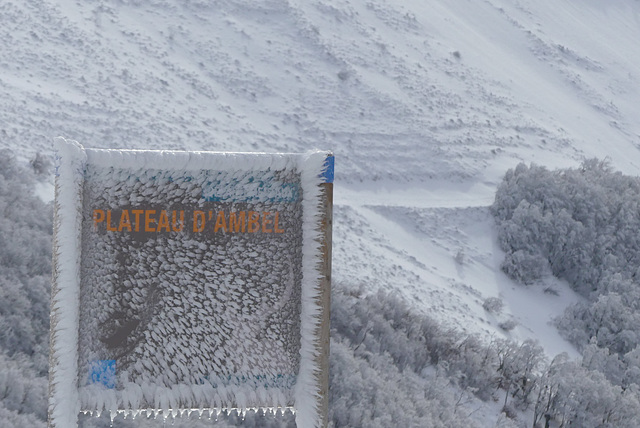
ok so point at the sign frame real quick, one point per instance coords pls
(72, 159)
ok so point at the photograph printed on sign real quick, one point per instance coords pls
(190, 279)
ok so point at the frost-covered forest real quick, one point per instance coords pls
(25, 279)
(581, 225)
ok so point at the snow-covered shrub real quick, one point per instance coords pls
(13, 419)
(41, 164)
(493, 305)
(471, 364)
(22, 390)
(508, 325)
(519, 368)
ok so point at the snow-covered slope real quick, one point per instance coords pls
(437, 89)
(425, 104)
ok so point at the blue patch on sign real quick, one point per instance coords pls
(327, 170)
(103, 372)
(261, 189)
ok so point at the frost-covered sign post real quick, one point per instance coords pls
(190, 281)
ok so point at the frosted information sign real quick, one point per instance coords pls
(187, 281)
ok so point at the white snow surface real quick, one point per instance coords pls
(425, 104)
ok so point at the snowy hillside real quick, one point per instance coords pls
(426, 105)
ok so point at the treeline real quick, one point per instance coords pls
(382, 332)
(581, 225)
(25, 277)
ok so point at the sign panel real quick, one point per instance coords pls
(193, 280)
